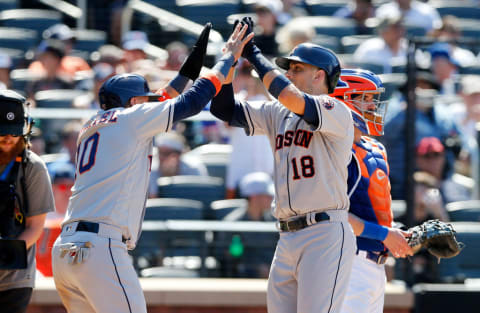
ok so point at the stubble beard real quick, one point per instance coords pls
(8, 155)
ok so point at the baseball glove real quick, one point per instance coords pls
(437, 237)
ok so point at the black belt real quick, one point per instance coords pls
(377, 257)
(301, 222)
(90, 227)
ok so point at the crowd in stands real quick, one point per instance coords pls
(447, 106)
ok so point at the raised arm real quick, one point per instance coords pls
(208, 85)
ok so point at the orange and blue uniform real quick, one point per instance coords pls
(369, 188)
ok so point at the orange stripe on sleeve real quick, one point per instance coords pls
(215, 81)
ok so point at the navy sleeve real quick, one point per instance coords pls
(311, 114)
(193, 100)
(225, 107)
(353, 174)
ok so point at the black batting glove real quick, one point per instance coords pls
(250, 48)
(193, 63)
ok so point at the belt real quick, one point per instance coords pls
(374, 256)
(103, 230)
(301, 222)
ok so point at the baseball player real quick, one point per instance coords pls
(311, 135)
(369, 190)
(91, 267)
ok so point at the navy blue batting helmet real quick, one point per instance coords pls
(317, 56)
(119, 89)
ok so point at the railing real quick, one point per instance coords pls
(70, 10)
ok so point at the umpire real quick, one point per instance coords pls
(26, 197)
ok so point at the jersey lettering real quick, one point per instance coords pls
(107, 117)
(90, 145)
(306, 165)
(302, 138)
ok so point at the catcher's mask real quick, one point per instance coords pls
(360, 90)
(119, 89)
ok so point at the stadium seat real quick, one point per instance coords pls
(399, 208)
(464, 211)
(392, 82)
(458, 9)
(331, 26)
(470, 70)
(17, 56)
(324, 7)
(8, 4)
(89, 39)
(20, 78)
(174, 209)
(222, 208)
(18, 38)
(371, 66)
(470, 28)
(215, 11)
(202, 188)
(57, 98)
(169, 5)
(215, 157)
(34, 19)
(350, 43)
(330, 42)
(464, 265)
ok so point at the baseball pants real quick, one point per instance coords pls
(103, 282)
(366, 288)
(311, 267)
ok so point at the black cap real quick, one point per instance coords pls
(12, 114)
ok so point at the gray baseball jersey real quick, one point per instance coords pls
(110, 146)
(310, 163)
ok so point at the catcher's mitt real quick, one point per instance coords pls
(437, 237)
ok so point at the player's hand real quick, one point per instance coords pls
(237, 41)
(193, 63)
(250, 46)
(397, 244)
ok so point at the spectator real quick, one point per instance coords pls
(258, 188)
(50, 54)
(389, 48)
(415, 13)
(134, 44)
(62, 176)
(177, 52)
(110, 54)
(431, 159)
(291, 9)
(266, 13)
(171, 161)
(103, 71)
(444, 68)
(451, 33)
(295, 32)
(70, 65)
(360, 11)
(5, 66)
(22, 212)
(467, 112)
(431, 120)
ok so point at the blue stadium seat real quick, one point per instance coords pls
(202, 188)
(173, 209)
(392, 82)
(57, 98)
(458, 9)
(169, 5)
(9, 4)
(215, 157)
(331, 26)
(464, 211)
(215, 11)
(464, 265)
(89, 39)
(20, 78)
(34, 19)
(330, 42)
(350, 43)
(324, 7)
(18, 38)
(222, 208)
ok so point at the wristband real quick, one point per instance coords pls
(214, 80)
(277, 85)
(260, 62)
(224, 64)
(179, 82)
(374, 231)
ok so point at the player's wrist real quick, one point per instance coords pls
(374, 231)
